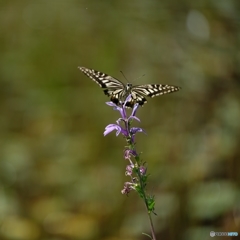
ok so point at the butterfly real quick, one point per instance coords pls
(118, 91)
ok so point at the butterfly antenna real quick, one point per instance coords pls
(140, 76)
(126, 78)
(123, 75)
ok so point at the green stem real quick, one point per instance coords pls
(142, 185)
(131, 146)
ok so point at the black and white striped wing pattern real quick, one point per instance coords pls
(118, 92)
(139, 92)
(113, 87)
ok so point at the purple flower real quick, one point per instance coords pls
(125, 130)
(129, 170)
(142, 170)
(109, 128)
(134, 111)
(128, 153)
(128, 186)
(134, 130)
(126, 100)
(135, 108)
(121, 109)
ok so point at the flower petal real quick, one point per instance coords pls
(134, 117)
(111, 104)
(109, 128)
(134, 130)
(135, 108)
(142, 170)
(126, 100)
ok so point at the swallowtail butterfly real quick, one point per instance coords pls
(118, 91)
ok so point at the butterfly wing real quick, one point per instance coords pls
(151, 90)
(136, 98)
(112, 86)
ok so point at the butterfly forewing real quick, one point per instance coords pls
(152, 90)
(113, 87)
(118, 92)
(102, 79)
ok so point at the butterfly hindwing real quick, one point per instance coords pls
(115, 95)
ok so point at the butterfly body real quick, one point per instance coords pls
(118, 91)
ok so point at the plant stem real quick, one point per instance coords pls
(151, 224)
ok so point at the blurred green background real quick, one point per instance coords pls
(59, 177)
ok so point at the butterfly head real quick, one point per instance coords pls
(128, 86)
